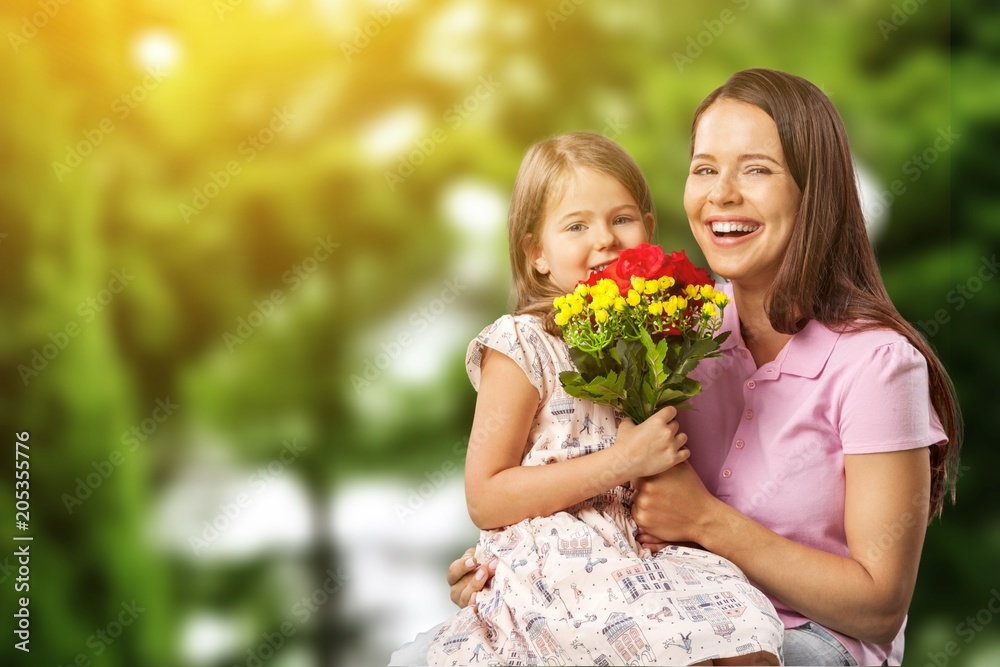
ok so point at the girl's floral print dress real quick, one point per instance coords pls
(576, 588)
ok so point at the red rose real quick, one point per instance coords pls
(644, 260)
(650, 262)
(681, 269)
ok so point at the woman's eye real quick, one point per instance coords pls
(702, 171)
(759, 170)
(623, 220)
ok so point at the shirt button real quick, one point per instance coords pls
(727, 473)
(739, 444)
(751, 385)
(748, 414)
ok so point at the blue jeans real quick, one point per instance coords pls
(810, 644)
(807, 644)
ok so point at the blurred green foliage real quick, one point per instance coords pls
(216, 152)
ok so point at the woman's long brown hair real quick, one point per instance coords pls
(829, 272)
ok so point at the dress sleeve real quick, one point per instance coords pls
(887, 406)
(515, 338)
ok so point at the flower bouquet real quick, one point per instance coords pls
(637, 328)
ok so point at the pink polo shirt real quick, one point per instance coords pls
(770, 441)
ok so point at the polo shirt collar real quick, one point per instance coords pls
(808, 351)
(805, 354)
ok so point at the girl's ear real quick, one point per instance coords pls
(533, 252)
(650, 223)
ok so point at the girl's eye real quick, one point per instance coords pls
(575, 227)
(702, 171)
(623, 220)
(759, 170)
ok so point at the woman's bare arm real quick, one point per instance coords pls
(866, 594)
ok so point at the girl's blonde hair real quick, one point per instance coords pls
(540, 181)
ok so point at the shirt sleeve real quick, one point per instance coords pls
(515, 338)
(887, 407)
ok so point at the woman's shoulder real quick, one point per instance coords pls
(865, 343)
(869, 335)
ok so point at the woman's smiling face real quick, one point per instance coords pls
(740, 197)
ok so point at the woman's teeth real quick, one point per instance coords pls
(599, 268)
(726, 227)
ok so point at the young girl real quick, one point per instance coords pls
(547, 475)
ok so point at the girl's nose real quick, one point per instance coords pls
(604, 237)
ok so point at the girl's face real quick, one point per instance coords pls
(584, 229)
(740, 197)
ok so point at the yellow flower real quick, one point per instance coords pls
(638, 283)
(709, 309)
(559, 302)
(670, 306)
(599, 298)
(609, 287)
(582, 289)
(692, 292)
(666, 282)
(633, 298)
(681, 303)
(577, 307)
(562, 318)
(651, 287)
(601, 316)
(656, 308)
(720, 299)
(620, 303)
(707, 292)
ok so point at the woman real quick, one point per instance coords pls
(827, 434)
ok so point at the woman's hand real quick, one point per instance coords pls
(671, 506)
(466, 577)
(654, 445)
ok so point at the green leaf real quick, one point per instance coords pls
(671, 397)
(606, 390)
(593, 365)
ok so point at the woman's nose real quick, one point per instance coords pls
(724, 191)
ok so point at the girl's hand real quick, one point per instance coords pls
(466, 577)
(651, 542)
(654, 445)
(671, 506)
